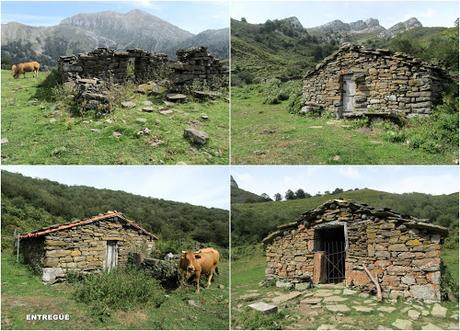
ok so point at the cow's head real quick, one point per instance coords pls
(190, 259)
(14, 70)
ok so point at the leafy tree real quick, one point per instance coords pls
(278, 197)
(290, 195)
(300, 194)
(337, 190)
(266, 197)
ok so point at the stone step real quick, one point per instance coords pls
(264, 308)
(286, 297)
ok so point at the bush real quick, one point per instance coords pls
(437, 133)
(253, 320)
(123, 289)
(295, 102)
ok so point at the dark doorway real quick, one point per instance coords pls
(331, 240)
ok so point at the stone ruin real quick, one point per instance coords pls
(355, 81)
(194, 68)
(343, 241)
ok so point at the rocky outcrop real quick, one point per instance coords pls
(401, 252)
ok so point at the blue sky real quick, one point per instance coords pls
(397, 179)
(193, 16)
(197, 185)
(314, 13)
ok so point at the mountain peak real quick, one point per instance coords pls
(409, 24)
(294, 21)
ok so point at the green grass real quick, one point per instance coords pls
(248, 271)
(23, 293)
(450, 259)
(269, 134)
(44, 132)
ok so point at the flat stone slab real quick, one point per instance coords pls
(166, 112)
(413, 314)
(263, 307)
(386, 309)
(147, 109)
(128, 104)
(438, 310)
(284, 284)
(347, 291)
(337, 308)
(335, 298)
(324, 293)
(431, 326)
(176, 97)
(402, 324)
(311, 301)
(327, 327)
(249, 296)
(363, 309)
(286, 297)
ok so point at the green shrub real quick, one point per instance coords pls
(254, 320)
(123, 289)
(449, 288)
(295, 102)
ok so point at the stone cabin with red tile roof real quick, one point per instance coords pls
(101, 242)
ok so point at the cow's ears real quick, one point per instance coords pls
(197, 256)
(183, 252)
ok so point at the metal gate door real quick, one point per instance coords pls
(335, 261)
(348, 93)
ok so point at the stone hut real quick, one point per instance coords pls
(337, 241)
(356, 81)
(192, 64)
(101, 242)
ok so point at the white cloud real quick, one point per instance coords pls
(350, 172)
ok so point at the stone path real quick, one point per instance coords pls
(327, 308)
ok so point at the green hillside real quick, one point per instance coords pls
(280, 49)
(251, 222)
(273, 49)
(242, 196)
(29, 204)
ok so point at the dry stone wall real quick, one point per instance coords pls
(193, 65)
(384, 82)
(401, 252)
(83, 248)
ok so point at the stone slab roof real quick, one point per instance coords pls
(308, 217)
(347, 47)
(85, 221)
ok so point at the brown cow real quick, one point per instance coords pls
(198, 263)
(22, 68)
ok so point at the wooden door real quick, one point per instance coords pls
(111, 255)
(348, 93)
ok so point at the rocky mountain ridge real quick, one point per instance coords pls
(86, 31)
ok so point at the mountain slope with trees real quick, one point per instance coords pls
(285, 50)
(29, 204)
(251, 222)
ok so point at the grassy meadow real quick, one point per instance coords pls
(40, 129)
(269, 134)
(248, 270)
(23, 293)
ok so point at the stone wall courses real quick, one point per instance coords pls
(406, 261)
